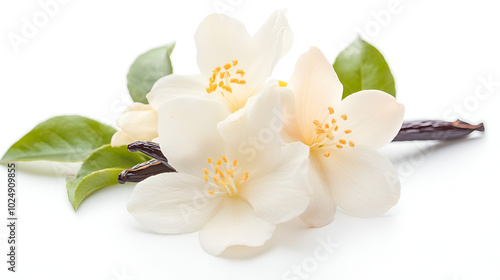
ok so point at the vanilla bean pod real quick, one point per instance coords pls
(435, 130)
(410, 131)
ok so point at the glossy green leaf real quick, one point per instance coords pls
(147, 69)
(100, 169)
(62, 138)
(361, 66)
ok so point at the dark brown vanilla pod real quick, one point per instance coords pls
(148, 148)
(144, 170)
(435, 130)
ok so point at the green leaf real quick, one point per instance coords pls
(147, 69)
(62, 138)
(361, 66)
(101, 169)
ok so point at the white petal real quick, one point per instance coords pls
(375, 117)
(120, 138)
(316, 87)
(219, 40)
(234, 224)
(174, 85)
(283, 193)
(363, 182)
(188, 132)
(172, 203)
(139, 122)
(270, 43)
(321, 209)
(252, 134)
(290, 129)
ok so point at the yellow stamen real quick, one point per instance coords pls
(205, 171)
(334, 121)
(348, 131)
(210, 192)
(230, 172)
(240, 72)
(342, 141)
(344, 116)
(235, 62)
(246, 176)
(206, 178)
(224, 158)
(235, 162)
(282, 84)
(351, 144)
(329, 136)
(327, 126)
(339, 146)
(209, 160)
(316, 123)
(327, 154)
(227, 66)
(336, 128)
(330, 109)
(219, 162)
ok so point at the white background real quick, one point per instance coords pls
(446, 225)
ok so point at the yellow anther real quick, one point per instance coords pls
(344, 116)
(234, 80)
(221, 75)
(334, 121)
(347, 131)
(208, 90)
(282, 84)
(351, 144)
(330, 109)
(240, 72)
(242, 82)
(342, 141)
(210, 192)
(316, 123)
(230, 172)
(219, 162)
(327, 126)
(205, 171)
(336, 128)
(221, 174)
(320, 130)
(209, 160)
(212, 79)
(246, 176)
(235, 62)
(339, 146)
(224, 158)
(216, 180)
(235, 162)
(227, 66)
(206, 178)
(329, 136)
(217, 70)
(221, 83)
(217, 169)
(327, 154)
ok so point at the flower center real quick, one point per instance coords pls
(222, 176)
(223, 79)
(329, 134)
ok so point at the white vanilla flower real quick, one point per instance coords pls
(139, 122)
(343, 135)
(236, 179)
(234, 66)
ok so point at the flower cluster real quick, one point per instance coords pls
(251, 152)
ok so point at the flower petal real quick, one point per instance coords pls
(172, 203)
(283, 192)
(174, 85)
(375, 117)
(269, 44)
(139, 122)
(316, 87)
(188, 132)
(219, 40)
(363, 182)
(322, 208)
(290, 130)
(120, 138)
(252, 134)
(234, 224)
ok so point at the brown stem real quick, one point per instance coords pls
(436, 130)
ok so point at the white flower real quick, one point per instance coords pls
(235, 180)
(139, 122)
(234, 66)
(343, 135)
